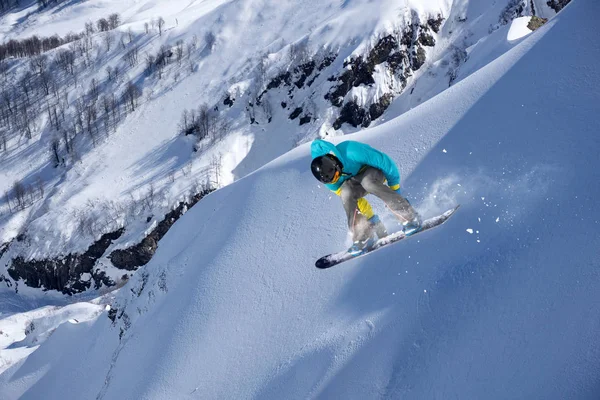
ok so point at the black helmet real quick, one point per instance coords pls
(325, 168)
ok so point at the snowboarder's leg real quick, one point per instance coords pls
(372, 180)
(358, 212)
(352, 192)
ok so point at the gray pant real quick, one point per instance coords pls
(371, 181)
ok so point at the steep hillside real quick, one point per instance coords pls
(95, 165)
(502, 302)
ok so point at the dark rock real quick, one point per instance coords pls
(3, 248)
(366, 121)
(426, 39)
(557, 5)
(398, 61)
(112, 314)
(285, 77)
(228, 100)
(435, 23)
(382, 50)
(7, 281)
(536, 22)
(514, 9)
(296, 113)
(409, 36)
(377, 109)
(140, 254)
(351, 113)
(360, 73)
(64, 274)
(305, 119)
(418, 58)
(305, 70)
(283, 104)
(327, 61)
(309, 83)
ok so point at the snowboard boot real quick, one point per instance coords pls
(413, 226)
(361, 246)
(378, 227)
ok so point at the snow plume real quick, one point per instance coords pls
(443, 195)
(491, 189)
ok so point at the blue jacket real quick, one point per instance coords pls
(354, 156)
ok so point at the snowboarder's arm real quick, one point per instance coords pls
(365, 154)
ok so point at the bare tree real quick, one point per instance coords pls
(45, 80)
(103, 25)
(20, 194)
(150, 63)
(179, 50)
(39, 63)
(146, 27)
(192, 46)
(132, 56)
(26, 85)
(210, 40)
(216, 163)
(160, 22)
(40, 186)
(68, 139)
(90, 114)
(131, 95)
(3, 67)
(65, 59)
(117, 73)
(94, 89)
(55, 146)
(109, 39)
(114, 20)
(89, 28)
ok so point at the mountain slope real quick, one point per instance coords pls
(234, 308)
(274, 74)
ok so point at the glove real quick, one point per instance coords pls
(396, 188)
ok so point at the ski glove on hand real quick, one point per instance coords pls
(396, 188)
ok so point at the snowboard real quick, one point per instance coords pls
(338, 258)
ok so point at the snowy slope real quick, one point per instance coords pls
(105, 186)
(233, 307)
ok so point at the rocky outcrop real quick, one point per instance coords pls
(140, 254)
(3, 248)
(305, 119)
(65, 274)
(296, 113)
(536, 22)
(377, 109)
(228, 101)
(403, 53)
(557, 5)
(514, 9)
(353, 114)
(435, 23)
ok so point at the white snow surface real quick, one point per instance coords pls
(518, 28)
(231, 306)
(22, 333)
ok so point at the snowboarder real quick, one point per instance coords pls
(352, 170)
